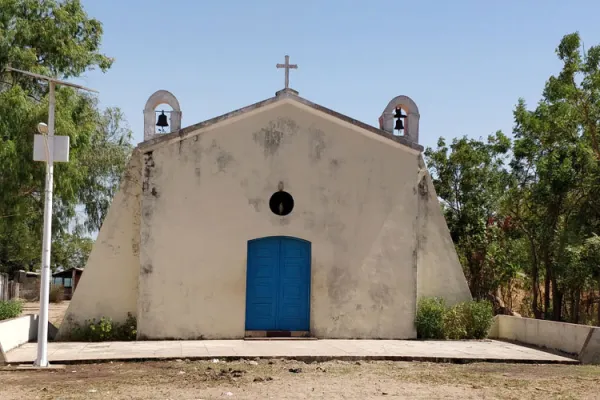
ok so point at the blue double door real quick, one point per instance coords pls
(278, 284)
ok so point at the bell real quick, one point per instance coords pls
(162, 120)
(399, 117)
(399, 125)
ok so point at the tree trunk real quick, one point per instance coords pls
(556, 302)
(547, 280)
(572, 307)
(535, 281)
(547, 291)
(598, 322)
(575, 306)
(547, 248)
(473, 278)
(535, 286)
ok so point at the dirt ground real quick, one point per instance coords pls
(56, 311)
(279, 379)
(262, 379)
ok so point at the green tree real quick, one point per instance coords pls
(470, 178)
(72, 251)
(54, 38)
(591, 257)
(50, 37)
(555, 172)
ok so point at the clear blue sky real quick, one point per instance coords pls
(464, 62)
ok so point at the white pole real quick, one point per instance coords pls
(42, 348)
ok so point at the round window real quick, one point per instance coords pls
(281, 203)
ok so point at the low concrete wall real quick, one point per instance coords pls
(18, 331)
(15, 332)
(581, 341)
(590, 354)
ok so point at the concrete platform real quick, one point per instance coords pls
(320, 350)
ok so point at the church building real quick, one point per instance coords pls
(282, 218)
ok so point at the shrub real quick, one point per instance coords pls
(127, 330)
(468, 320)
(57, 294)
(430, 318)
(104, 330)
(10, 309)
(455, 323)
(478, 317)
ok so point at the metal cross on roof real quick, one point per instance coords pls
(287, 67)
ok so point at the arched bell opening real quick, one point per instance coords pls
(401, 118)
(162, 114)
(163, 118)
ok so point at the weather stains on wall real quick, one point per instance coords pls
(334, 165)
(148, 169)
(381, 294)
(423, 189)
(341, 285)
(223, 160)
(309, 220)
(275, 134)
(147, 269)
(149, 191)
(257, 203)
(195, 155)
(317, 143)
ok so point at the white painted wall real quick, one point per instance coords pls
(569, 338)
(17, 331)
(439, 271)
(108, 285)
(357, 201)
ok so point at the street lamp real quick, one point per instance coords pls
(42, 128)
(50, 149)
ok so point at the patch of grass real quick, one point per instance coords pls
(10, 309)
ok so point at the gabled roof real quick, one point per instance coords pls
(282, 95)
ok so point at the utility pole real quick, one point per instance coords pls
(48, 148)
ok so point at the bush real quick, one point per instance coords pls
(468, 320)
(128, 330)
(455, 323)
(104, 330)
(10, 309)
(430, 318)
(57, 294)
(478, 317)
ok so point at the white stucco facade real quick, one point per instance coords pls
(112, 270)
(178, 230)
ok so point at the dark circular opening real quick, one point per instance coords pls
(281, 203)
